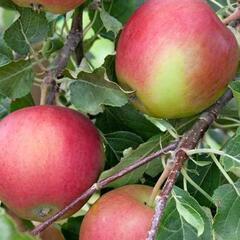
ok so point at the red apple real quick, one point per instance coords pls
(54, 6)
(48, 156)
(51, 233)
(177, 56)
(121, 214)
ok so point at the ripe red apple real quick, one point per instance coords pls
(178, 57)
(54, 6)
(48, 156)
(51, 233)
(121, 214)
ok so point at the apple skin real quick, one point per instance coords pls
(49, 155)
(54, 6)
(177, 56)
(121, 214)
(51, 233)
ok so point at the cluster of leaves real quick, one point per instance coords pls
(209, 206)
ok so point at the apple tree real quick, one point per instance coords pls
(119, 119)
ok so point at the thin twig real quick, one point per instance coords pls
(103, 183)
(61, 61)
(189, 141)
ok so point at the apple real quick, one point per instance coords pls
(54, 6)
(177, 56)
(49, 155)
(121, 214)
(50, 233)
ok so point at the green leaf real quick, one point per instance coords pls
(7, 4)
(175, 227)
(16, 79)
(110, 22)
(5, 53)
(70, 229)
(232, 148)
(52, 45)
(190, 215)
(4, 106)
(227, 219)
(23, 102)
(117, 142)
(30, 27)
(142, 151)
(126, 118)
(92, 91)
(208, 178)
(121, 10)
(235, 87)
(163, 125)
(8, 229)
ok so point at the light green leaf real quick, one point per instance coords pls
(92, 91)
(110, 22)
(8, 229)
(163, 125)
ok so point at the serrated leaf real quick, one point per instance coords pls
(110, 22)
(119, 9)
(227, 219)
(16, 79)
(190, 215)
(174, 227)
(29, 28)
(92, 91)
(232, 148)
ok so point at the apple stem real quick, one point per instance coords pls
(158, 185)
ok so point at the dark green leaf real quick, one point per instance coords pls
(16, 79)
(175, 227)
(226, 221)
(30, 27)
(232, 148)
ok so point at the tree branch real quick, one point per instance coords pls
(61, 61)
(189, 141)
(101, 184)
